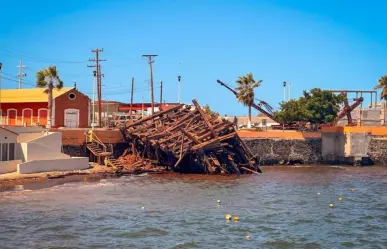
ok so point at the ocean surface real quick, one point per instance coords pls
(283, 208)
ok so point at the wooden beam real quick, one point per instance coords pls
(199, 146)
(204, 117)
(190, 136)
(155, 115)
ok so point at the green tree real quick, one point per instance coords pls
(316, 106)
(245, 89)
(382, 85)
(48, 78)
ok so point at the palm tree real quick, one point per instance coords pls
(48, 78)
(382, 85)
(245, 89)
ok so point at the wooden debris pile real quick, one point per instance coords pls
(187, 139)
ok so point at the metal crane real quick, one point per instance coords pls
(268, 111)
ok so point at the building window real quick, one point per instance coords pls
(4, 152)
(11, 152)
(72, 96)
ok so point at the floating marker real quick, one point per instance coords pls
(247, 237)
(142, 208)
(331, 205)
(318, 193)
(353, 190)
(228, 216)
(218, 201)
(340, 199)
(236, 218)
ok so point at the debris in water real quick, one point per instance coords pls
(228, 216)
(187, 139)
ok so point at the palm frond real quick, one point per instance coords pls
(59, 83)
(52, 71)
(41, 79)
(46, 90)
(383, 95)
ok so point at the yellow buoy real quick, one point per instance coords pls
(228, 216)
(236, 218)
(331, 205)
(340, 199)
(247, 237)
(218, 201)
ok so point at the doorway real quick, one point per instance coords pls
(71, 118)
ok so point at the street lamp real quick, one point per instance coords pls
(284, 84)
(178, 88)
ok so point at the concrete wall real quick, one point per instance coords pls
(333, 144)
(75, 163)
(7, 137)
(273, 151)
(24, 137)
(8, 166)
(20, 130)
(46, 147)
(35, 151)
(369, 117)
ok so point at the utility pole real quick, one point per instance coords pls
(20, 75)
(161, 95)
(150, 61)
(284, 84)
(131, 101)
(98, 75)
(290, 85)
(94, 83)
(178, 88)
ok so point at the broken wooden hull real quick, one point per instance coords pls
(189, 140)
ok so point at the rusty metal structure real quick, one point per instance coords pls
(267, 110)
(346, 111)
(188, 139)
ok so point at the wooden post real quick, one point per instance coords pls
(204, 118)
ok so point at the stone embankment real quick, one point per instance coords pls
(279, 151)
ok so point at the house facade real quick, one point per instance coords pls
(29, 107)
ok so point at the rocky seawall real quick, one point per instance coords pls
(277, 151)
(377, 150)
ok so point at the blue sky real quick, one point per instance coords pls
(326, 44)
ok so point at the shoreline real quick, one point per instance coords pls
(96, 172)
(14, 182)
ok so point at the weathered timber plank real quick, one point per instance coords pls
(157, 114)
(209, 125)
(222, 138)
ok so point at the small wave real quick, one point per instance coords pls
(305, 221)
(147, 232)
(281, 244)
(192, 244)
(348, 244)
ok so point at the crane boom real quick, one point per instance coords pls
(258, 107)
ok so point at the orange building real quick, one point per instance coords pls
(19, 107)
